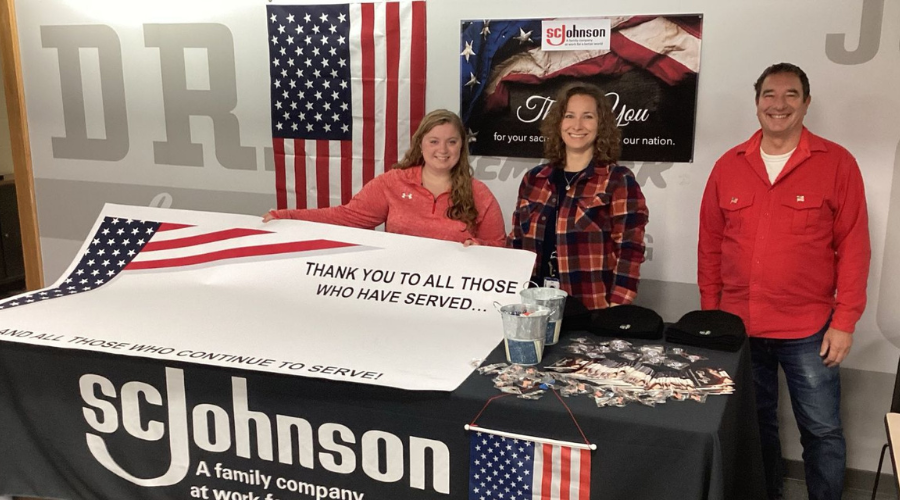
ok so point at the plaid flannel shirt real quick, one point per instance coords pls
(599, 231)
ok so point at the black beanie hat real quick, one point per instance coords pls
(713, 329)
(627, 321)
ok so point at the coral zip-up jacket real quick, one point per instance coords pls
(785, 255)
(398, 199)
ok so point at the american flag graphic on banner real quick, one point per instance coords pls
(122, 245)
(502, 468)
(347, 92)
(668, 47)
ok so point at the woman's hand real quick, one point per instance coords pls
(270, 215)
(470, 242)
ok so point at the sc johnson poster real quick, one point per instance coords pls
(511, 70)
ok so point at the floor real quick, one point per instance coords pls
(795, 489)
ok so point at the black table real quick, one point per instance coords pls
(340, 438)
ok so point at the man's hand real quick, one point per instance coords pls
(835, 347)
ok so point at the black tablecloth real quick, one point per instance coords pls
(677, 450)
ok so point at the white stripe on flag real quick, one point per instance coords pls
(404, 89)
(289, 173)
(575, 474)
(183, 232)
(380, 85)
(335, 176)
(536, 473)
(356, 91)
(555, 471)
(312, 188)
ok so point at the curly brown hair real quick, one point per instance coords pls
(462, 200)
(606, 146)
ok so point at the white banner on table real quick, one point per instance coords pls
(287, 297)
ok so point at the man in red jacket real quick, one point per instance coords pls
(784, 244)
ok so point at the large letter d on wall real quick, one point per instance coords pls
(68, 41)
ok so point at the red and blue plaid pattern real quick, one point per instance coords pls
(599, 231)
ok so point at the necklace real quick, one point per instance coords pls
(570, 180)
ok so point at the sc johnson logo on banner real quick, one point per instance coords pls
(105, 403)
(575, 34)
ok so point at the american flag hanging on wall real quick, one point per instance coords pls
(347, 92)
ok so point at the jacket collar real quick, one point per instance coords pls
(808, 144)
(592, 168)
(411, 175)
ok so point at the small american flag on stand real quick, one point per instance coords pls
(347, 92)
(508, 468)
(121, 245)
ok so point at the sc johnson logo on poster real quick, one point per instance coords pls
(576, 34)
(106, 406)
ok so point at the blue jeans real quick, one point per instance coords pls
(815, 393)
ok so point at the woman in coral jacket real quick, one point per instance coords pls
(430, 193)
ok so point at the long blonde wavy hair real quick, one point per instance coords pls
(462, 200)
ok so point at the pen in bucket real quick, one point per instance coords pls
(553, 299)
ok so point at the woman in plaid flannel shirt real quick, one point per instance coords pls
(581, 213)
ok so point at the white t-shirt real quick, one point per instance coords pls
(775, 163)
